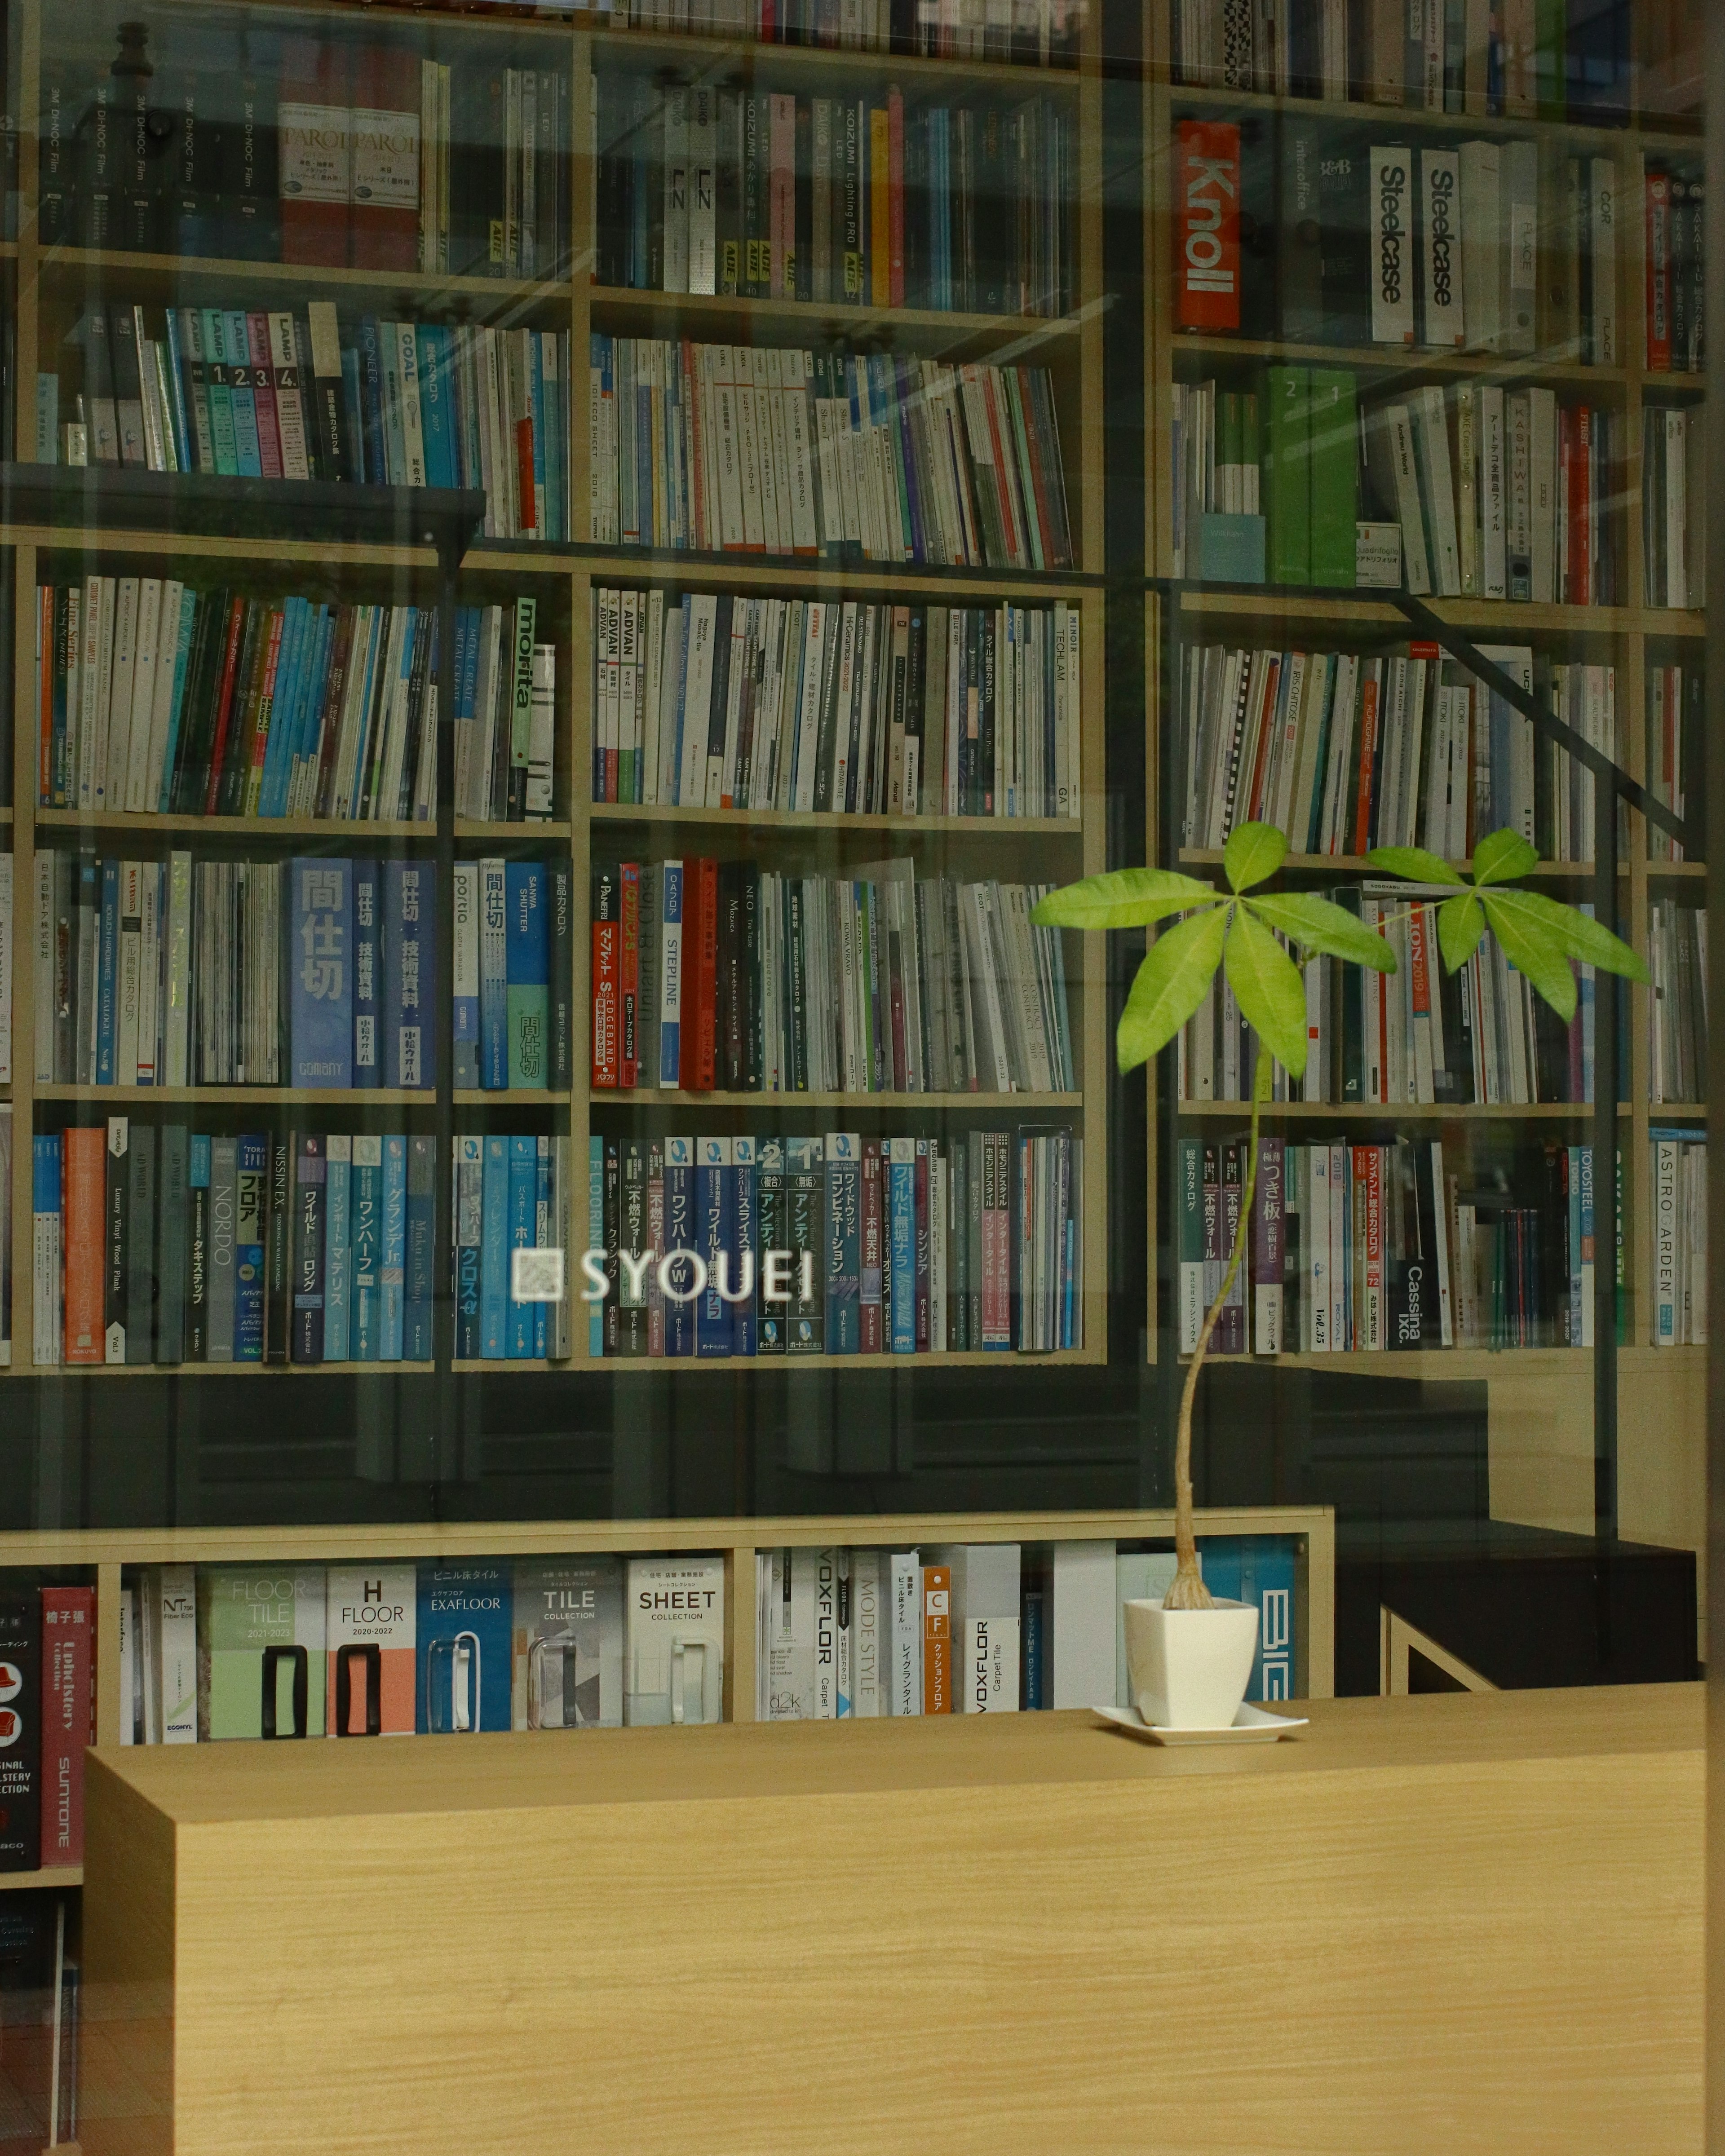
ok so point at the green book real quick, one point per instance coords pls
(1334, 468)
(260, 1651)
(1285, 404)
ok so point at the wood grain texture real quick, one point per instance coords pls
(1468, 1922)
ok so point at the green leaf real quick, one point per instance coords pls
(1414, 864)
(1125, 898)
(1461, 922)
(1267, 986)
(1501, 855)
(1170, 986)
(1533, 948)
(1321, 924)
(1253, 854)
(1583, 937)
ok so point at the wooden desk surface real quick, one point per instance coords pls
(1467, 1921)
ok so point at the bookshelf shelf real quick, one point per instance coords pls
(686, 56)
(933, 333)
(1498, 620)
(56, 1879)
(516, 1097)
(812, 820)
(1402, 360)
(468, 827)
(264, 827)
(805, 572)
(954, 1359)
(1393, 120)
(1367, 1111)
(1357, 865)
(358, 1096)
(893, 1104)
(143, 277)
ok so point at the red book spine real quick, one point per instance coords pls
(872, 1334)
(688, 1052)
(896, 192)
(1659, 273)
(266, 706)
(1368, 755)
(1207, 224)
(383, 230)
(606, 985)
(631, 977)
(262, 377)
(83, 1158)
(67, 1722)
(44, 701)
(706, 979)
(1266, 719)
(224, 704)
(524, 464)
(313, 125)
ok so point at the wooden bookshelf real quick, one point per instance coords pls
(55, 283)
(1538, 1479)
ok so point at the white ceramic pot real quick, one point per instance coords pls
(1189, 1668)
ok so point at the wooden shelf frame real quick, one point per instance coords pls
(1623, 635)
(52, 282)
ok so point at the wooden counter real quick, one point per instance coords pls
(1451, 1921)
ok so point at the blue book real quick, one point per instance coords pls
(353, 413)
(417, 1288)
(367, 959)
(366, 1329)
(595, 1239)
(295, 614)
(247, 450)
(902, 1252)
(464, 1660)
(182, 659)
(467, 1214)
(843, 1243)
(251, 1216)
(542, 1239)
(312, 691)
(221, 395)
(433, 344)
(392, 1249)
(378, 471)
(395, 442)
(321, 1015)
(108, 975)
(49, 1232)
(337, 1238)
(287, 718)
(409, 973)
(669, 972)
(1259, 1569)
(745, 1246)
(1034, 1649)
(179, 418)
(494, 975)
(527, 961)
(680, 1235)
(463, 984)
(714, 1206)
(494, 1252)
(523, 1229)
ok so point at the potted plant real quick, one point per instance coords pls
(1194, 1647)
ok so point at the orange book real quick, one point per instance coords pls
(84, 1182)
(879, 206)
(383, 225)
(936, 1639)
(313, 124)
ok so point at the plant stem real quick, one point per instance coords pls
(1189, 1591)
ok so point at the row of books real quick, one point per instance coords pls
(837, 1245)
(1677, 1006)
(308, 395)
(252, 144)
(152, 697)
(1518, 60)
(1677, 733)
(1364, 1248)
(1675, 258)
(709, 975)
(710, 700)
(1421, 1035)
(313, 973)
(48, 1639)
(167, 1246)
(1673, 504)
(513, 958)
(1299, 231)
(983, 1627)
(875, 456)
(387, 1649)
(1346, 751)
(1034, 34)
(860, 200)
(1678, 1163)
(507, 1194)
